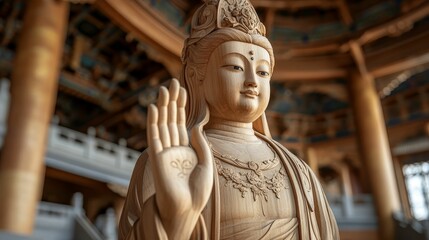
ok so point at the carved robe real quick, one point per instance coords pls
(314, 218)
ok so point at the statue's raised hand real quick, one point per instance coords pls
(183, 175)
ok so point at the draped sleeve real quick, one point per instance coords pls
(321, 223)
(140, 218)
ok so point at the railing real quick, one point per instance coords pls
(64, 222)
(88, 149)
(353, 211)
(86, 155)
(79, 153)
(410, 229)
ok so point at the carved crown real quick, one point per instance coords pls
(217, 14)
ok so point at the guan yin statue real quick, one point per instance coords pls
(212, 170)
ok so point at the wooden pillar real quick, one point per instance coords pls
(346, 189)
(33, 94)
(346, 180)
(78, 49)
(375, 150)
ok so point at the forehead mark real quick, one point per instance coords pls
(237, 51)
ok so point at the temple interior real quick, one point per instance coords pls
(349, 96)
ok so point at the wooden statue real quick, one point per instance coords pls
(212, 170)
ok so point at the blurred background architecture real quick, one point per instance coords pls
(350, 96)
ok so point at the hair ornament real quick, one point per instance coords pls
(217, 14)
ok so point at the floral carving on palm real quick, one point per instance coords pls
(184, 167)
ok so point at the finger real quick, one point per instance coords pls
(164, 134)
(174, 89)
(152, 130)
(181, 118)
(172, 112)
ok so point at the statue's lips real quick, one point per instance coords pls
(250, 93)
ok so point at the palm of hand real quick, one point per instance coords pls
(183, 176)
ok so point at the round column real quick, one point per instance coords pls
(33, 94)
(375, 150)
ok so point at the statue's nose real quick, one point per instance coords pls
(251, 80)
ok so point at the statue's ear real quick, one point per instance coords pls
(193, 75)
(261, 125)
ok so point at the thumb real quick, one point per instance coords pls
(200, 144)
(203, 172)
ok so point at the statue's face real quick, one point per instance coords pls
(237, 82)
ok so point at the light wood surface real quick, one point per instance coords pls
(33, 94)
(373, 141)
(212, 170)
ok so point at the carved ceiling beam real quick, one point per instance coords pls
(104, 39)
(398, 133)
(174, 67)
(95, 21)
(151, 79)
(400, 65)
(269, 20)
(386, 61)
(289, 53)
(396, 27)
(182, 4)
(344, 12)
(142, 21)
(10, 27)
(410, 4)
(113, 120)
(308, 74)
(80, 1)
(306, 24)
(312, 68)
(79, 17)
(400, 57)
(120, 107)
(115, 109)
(294, 4)
(80, 44)
(392, 28)
(359, 57)
(335, 90)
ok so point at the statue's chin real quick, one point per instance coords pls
(247, 115)
(251, 111)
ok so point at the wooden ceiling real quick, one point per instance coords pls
(117, 53)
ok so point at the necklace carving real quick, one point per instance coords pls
(253, 180)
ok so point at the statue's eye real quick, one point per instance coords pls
(232, 67)
(263, 74)
(237, 68)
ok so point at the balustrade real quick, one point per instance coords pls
(91, 151)
(79, 149)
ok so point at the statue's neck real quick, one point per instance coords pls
(231, 131)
